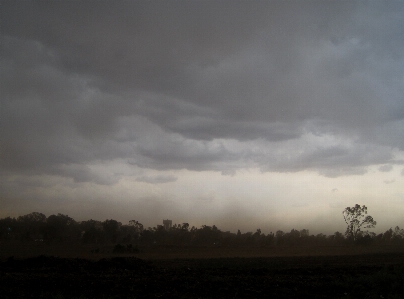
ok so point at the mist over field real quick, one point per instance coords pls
(249, 114)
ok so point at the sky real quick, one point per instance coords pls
(240, 114)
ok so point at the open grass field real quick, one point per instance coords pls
(20, 249)
(55, 271)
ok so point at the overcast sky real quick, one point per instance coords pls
(243, 114)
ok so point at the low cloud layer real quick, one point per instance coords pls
(158, 179)
(386, 168)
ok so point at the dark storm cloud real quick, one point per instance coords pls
(198, 85)
(331, 161)
(83, 174)
(176, 152)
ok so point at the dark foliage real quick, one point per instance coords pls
(36, 227)
(356, 218)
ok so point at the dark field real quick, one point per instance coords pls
(316, 272)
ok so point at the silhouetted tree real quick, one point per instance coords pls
(91, 231)
(33, 217)
(147, 236)
(280, 237)
(61, 227)
(32, 226)
(185, 226)
(337, 238)
(398, 235)
(111, 227)
(132, 231)
(8, 228)
(207, 235)
(270, 239)
(304, 233)
(365, 238)
(356, 219)
(293, 238)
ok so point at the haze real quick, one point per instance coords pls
(243, 114)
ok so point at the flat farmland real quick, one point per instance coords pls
(170, 272)
(31, 249)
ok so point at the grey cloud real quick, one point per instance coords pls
(140, 44)
(230, 172)
(389, 181)
(198, 85)
(174, 152)
(343, 171)
(331, 161)
(158, 179)
(83, 174)
(386, 168)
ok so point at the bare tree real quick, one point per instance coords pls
(356, 219)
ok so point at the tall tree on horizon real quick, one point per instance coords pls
(356, 219)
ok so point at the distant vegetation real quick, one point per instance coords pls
(36, 227)
(356, 218)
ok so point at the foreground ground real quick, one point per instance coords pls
(359, 275)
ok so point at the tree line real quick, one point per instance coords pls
(60, 228)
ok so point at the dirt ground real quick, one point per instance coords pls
(20, 249)
(359, 275)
